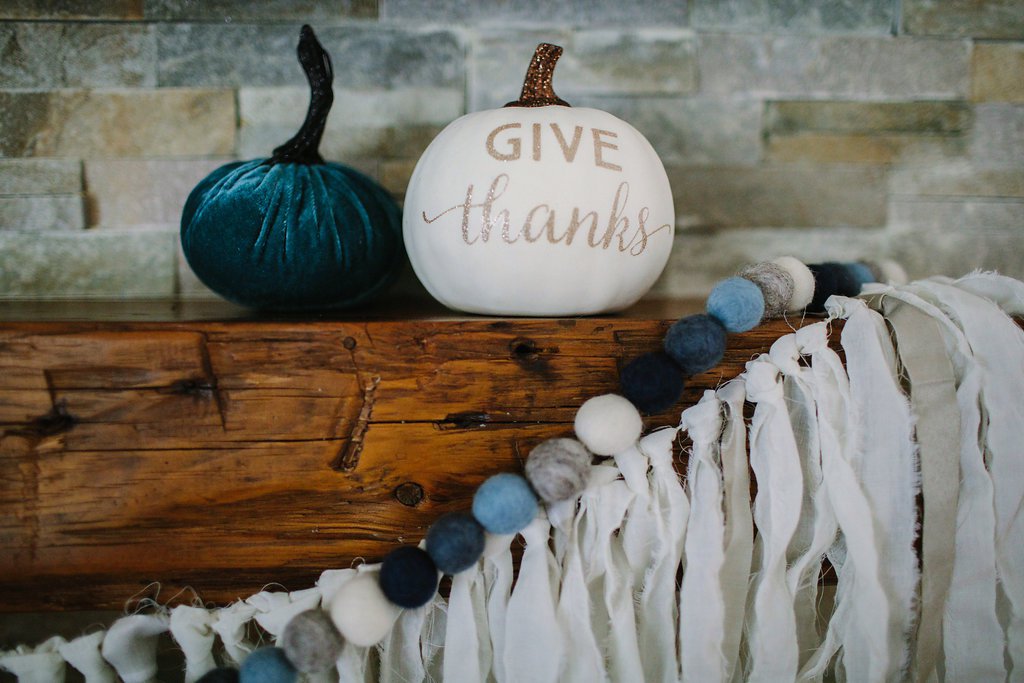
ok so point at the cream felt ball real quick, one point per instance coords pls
(608, 424)
(559, 469)
(539, 208)
(361, 611)
(311, 641)
(892, 272)
(803, 282)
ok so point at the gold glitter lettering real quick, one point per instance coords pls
(549, 224)
(575, 223)
(514, 143)
(599, 144)
(536, 142)
(568, 151)
(628, 227)
(615, 218)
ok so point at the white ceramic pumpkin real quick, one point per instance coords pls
(539, 208)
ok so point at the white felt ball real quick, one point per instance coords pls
(608, 424)
(893, 272)
(803, 281)
(361, 611)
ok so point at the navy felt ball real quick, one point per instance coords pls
(408, 577)
(267, 665)
(696, 343)
(653, 382)
(455, 542)
(737, 303)
(831, 278)
(505, 504)
(294, 232)
(222, 674)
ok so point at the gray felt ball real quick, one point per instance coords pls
(776, 285)
(558, 469)
(311, 641)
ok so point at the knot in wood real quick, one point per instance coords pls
(524, 349)
(409, 494)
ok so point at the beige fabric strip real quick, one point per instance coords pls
(933, 401)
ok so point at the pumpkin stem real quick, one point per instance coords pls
(303, 148)
(537, 88)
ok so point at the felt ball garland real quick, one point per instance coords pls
(696, 343)
(408, 576)
(364, 609)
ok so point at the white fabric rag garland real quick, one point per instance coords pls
(836, 452)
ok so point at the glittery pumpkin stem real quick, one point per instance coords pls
(303, 148)
(537, 88)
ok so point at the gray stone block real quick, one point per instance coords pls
(866, 132)
(40, 176)
(793, 16)
(573, 12)
(998, 134)
(391, 124)
(925, 253)
(833, 66)
(71, 9)
(956, 180)
(997, 72)
(87, 264)
(691, 130)
(783, 195)
(365, 56)
(97, 123)
(963, 18)
(69, 55)
(142, 192)
(42, 212)
(317, 12)
(647, 62)
(945, 215)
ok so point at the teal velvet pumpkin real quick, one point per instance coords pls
(293, 232)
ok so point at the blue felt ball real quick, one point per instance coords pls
(860, 272)
(831, 278)
(737, 303)
(505, 504)
(455, 542)
(267, 665)
(222, 674)
(696, 343)
(408, 577)
(653, 382)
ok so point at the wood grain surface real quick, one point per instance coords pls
(225, 451)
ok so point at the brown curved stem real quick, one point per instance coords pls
(537, 88)
(303, 148)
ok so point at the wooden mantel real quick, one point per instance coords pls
(202, 445)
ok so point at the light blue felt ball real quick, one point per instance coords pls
(737, 303)
(505, 504)
(267, 665)
(860, 272)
